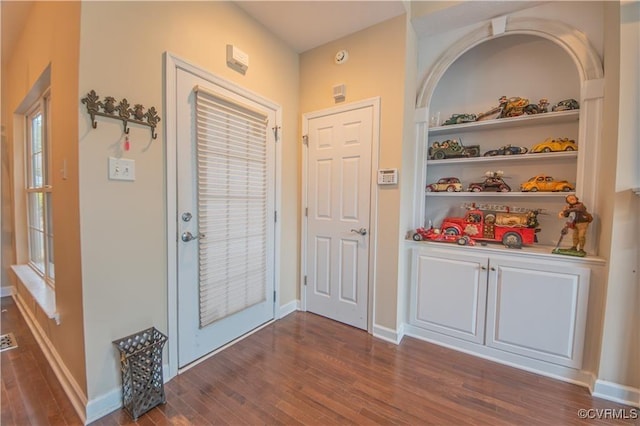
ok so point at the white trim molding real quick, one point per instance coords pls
(44, 295)
(111, 401)
(543, 368)
(617, 393)
(7, 291)
(71, 388)
(388, 334)
(287, 309)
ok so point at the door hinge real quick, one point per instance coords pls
(275, 129)
(306, 212)
(305, 140)
(305, 280)
(274, 295)
(275, 216)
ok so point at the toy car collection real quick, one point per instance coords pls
(493, 182)
(459, 119)
(555, 145)
(512, 107)
(566, 105)
(435, 234)
(513, 229)
(448, 184)
(452, 148)
(546, 183)
(506, 150)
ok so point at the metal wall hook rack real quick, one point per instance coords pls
(120, 111)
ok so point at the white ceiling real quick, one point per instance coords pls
(303, 25)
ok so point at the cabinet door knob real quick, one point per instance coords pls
(493, 269)
(484, 268)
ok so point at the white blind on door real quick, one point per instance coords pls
(232, 206)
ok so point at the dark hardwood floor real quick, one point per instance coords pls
(306, 369)
(31, 393)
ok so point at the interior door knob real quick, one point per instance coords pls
(361, 231)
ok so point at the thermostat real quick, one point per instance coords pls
(388, 177)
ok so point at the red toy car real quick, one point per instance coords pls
(434, 234)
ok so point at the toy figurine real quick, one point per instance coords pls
(579, 220)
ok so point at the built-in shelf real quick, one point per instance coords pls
(539, 194)
(510, 158)
(500, 123)
(531, 251)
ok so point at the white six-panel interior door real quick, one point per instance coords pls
(339, 152)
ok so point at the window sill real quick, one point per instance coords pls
(44, 295)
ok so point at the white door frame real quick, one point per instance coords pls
(374, 103)
(171, 65)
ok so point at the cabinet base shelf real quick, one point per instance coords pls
(566, 374)
(538, 251)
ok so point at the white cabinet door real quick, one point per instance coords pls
(538, 309)
(449, 293)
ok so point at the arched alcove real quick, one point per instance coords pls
(575, 43)
(571, 58)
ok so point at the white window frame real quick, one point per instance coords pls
(46, 270)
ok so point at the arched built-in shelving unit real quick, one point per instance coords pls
(487, 299)
(569, 68)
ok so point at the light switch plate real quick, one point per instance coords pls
(122, 169)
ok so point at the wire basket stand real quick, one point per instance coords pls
(141, 368)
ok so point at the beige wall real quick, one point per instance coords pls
(124, 225)
(620, 355)
(51, 36)
(124, 246)
(375, 68)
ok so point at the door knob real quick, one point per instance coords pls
(188, 236)
(186, 216)
(361, 231)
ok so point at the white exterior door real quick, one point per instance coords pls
(225, 215)
(338, 198)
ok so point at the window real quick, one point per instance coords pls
(38, 190)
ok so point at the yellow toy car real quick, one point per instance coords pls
(546, 183)
(555, 145)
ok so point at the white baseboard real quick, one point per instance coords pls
(617, 393)
(111, 401)
(68, 383)
(103, 405)
(7, 291)
(289, 308)
(384, 333)
(566, 374)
